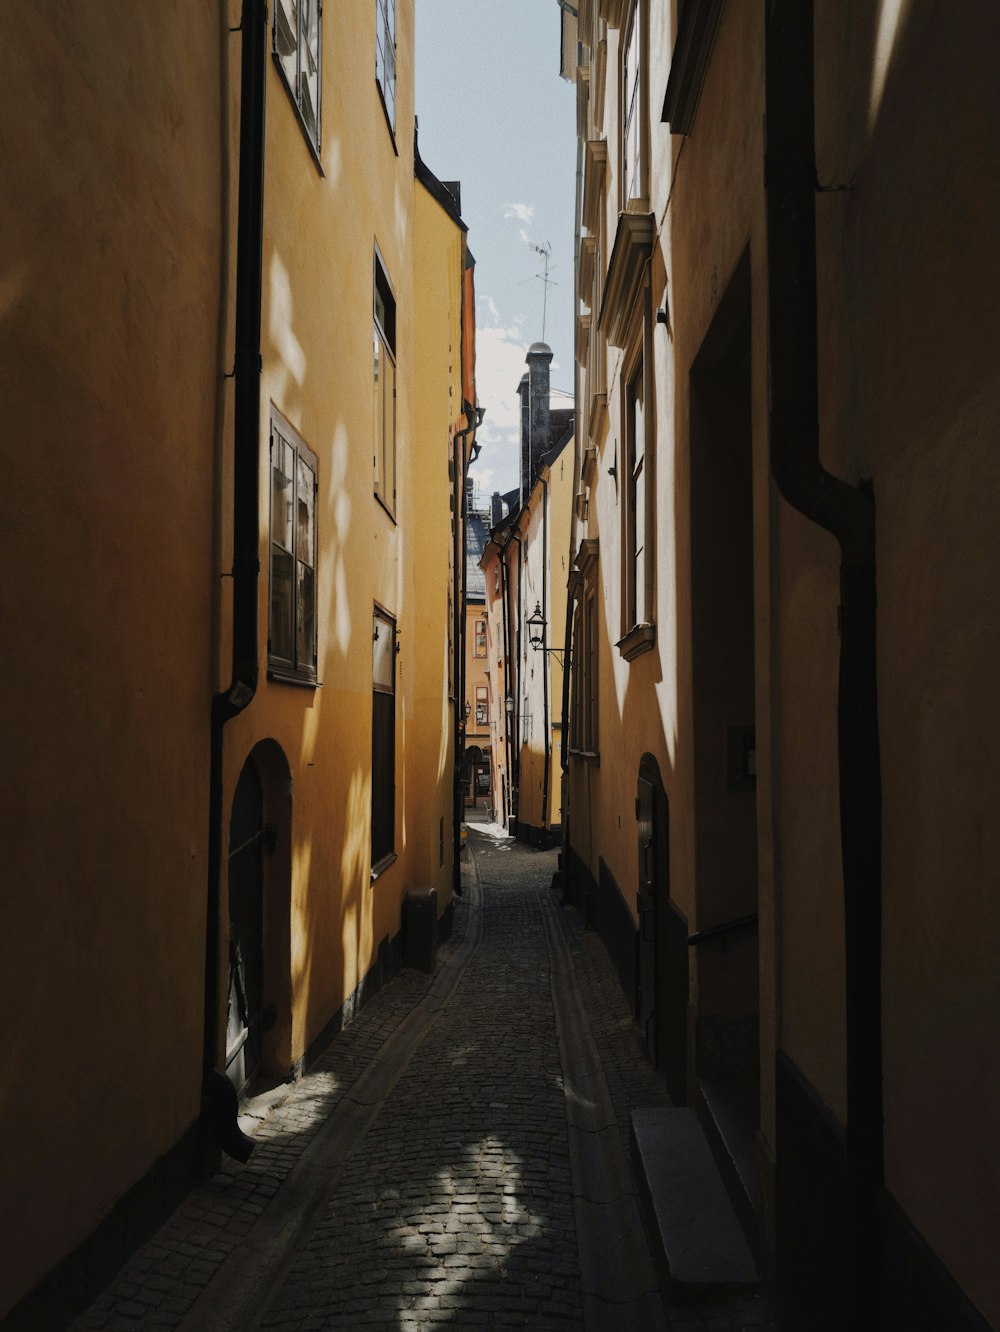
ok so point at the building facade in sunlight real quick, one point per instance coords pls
(524, 565)
(237, 679)
(779, 786)
(477, 765)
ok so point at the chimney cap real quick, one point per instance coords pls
(539, 349)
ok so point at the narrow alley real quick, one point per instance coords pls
(458, 1155)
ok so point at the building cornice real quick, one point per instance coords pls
(595, 162)
(632, 249)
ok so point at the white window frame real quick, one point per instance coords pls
(385, 58)
(633, 135)
(384, 397)
(300, 62)
(638, 475)
(299, 665)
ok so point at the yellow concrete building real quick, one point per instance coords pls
(787, 398)
(234, 703)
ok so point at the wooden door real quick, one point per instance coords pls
(246, 842)
(645, 808)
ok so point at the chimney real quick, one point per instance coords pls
(522, 392)
(538, 358)
(496, 509)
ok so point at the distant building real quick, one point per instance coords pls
(476, 774)
(525, 577)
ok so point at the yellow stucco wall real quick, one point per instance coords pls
(116, 313)
(916, 406)
(110, 223)
(440, 257)
(908, 277)
(317, 334)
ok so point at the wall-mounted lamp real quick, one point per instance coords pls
(536, 626)
(468, 709)
(536, 631)
(508, 707)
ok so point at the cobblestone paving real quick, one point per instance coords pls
(163, 1280)
(634, 1083)
(456, 1208)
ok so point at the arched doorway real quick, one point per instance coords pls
(258, 1025)
(662, 998)
(477, 777)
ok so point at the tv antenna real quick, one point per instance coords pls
(546, 253)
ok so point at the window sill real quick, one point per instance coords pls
(630, 254)
(385, 112)
(380, 867)
(284, 675)
(310, 143)
(381, 502)
(586, 756)
(640, 638)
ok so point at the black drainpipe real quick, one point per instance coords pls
(848, 513)
(220, 1101)
(545, 661)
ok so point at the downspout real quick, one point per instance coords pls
(545, 660)
(220, 1105)
(848, 513)
(474, 415)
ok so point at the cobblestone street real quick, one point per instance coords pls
(436, 1165)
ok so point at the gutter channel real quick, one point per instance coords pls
(848, 513)
(219, 1100)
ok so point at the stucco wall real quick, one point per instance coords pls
(110, 225)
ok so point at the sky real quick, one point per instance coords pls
(494, 114)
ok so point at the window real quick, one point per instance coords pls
(633, 108)
(385, 56)
(635, 503)
(479, 647)
(482, 706)
(583, 715)
(297, 52)
(589, 690)
(637, 529)
(384, 348)
(291, 630)
(383, 737)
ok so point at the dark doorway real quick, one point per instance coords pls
(662, 998)
(725, 942)
(246, 841)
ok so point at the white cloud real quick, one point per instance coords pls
(524, 212)
(500, 352)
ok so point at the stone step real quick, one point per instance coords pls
(693, 1231)
(730, 1114)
